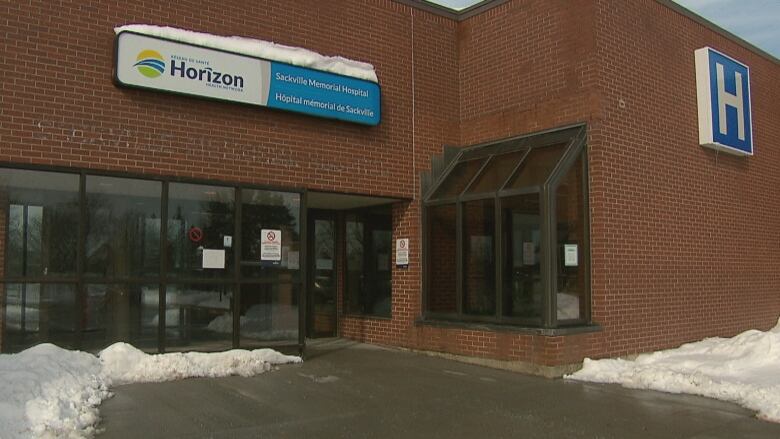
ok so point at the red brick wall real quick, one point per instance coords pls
(525, 66)
(61, 108)
(442, 248)
(679, 251)
(683, 238)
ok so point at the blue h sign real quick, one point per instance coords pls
(723, 91)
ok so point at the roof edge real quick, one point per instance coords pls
(717, 29)
(489, 4)
(452, 14)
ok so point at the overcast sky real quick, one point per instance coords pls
(757, 21)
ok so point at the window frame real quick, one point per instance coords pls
(367, 216)
(574, 137)
(81, 280)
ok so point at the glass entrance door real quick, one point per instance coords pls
(322, 275)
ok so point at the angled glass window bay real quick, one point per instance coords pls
(458, 178)
(506, 233)
(494, 175)
(537, 167)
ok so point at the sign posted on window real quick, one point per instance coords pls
(402, 252)
(570, 258)
(271, 246)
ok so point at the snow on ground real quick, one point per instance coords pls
(263, 49)
(744, 369)
(50, 392)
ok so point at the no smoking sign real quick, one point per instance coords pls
(402, 252)
(271, 245)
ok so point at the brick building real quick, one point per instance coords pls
(542, 158)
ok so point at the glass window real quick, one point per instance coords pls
(355, 264)
(479, 270)
(522, 283)
(368, 270)
(40, 227)
(493, 177)
(458, 178)
(570, 207)
(537, 166)
(271, 211)
(39, 313)
(442, 259)
(529, 269)
(199, 317)
(42, 210)
(269, 314)
(116, 312)
(200, 230)
(123, 227)
(322, 266)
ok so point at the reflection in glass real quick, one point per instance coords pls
(123, 227)
(199, 317)
(322, 321)
(522, 287)
(537, 166)
(269, 210)
(269, 313)
(39, 313)
(570, 205)
(457, 180)
(127, 313)
(479, 283)
(493, 177)
(42, 210)
(200, 217)
(442, 272)
(368, 268)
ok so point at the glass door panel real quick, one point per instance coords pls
(322, 278)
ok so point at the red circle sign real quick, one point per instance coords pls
(195, 234)
(271, 236)
(403, 244)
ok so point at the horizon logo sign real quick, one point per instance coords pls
(148, 62)
(723, 95)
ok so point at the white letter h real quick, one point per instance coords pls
(726, 98)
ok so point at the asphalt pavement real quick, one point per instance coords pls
(352, 390)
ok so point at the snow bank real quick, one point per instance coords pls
(47, 391)
(124, 364)
(743, 369)
(263, 49)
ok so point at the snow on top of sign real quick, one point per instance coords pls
(263, 49)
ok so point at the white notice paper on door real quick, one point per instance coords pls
(213, 258)
(270, 245)
(570, 255)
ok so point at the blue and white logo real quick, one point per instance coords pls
(723, 92)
